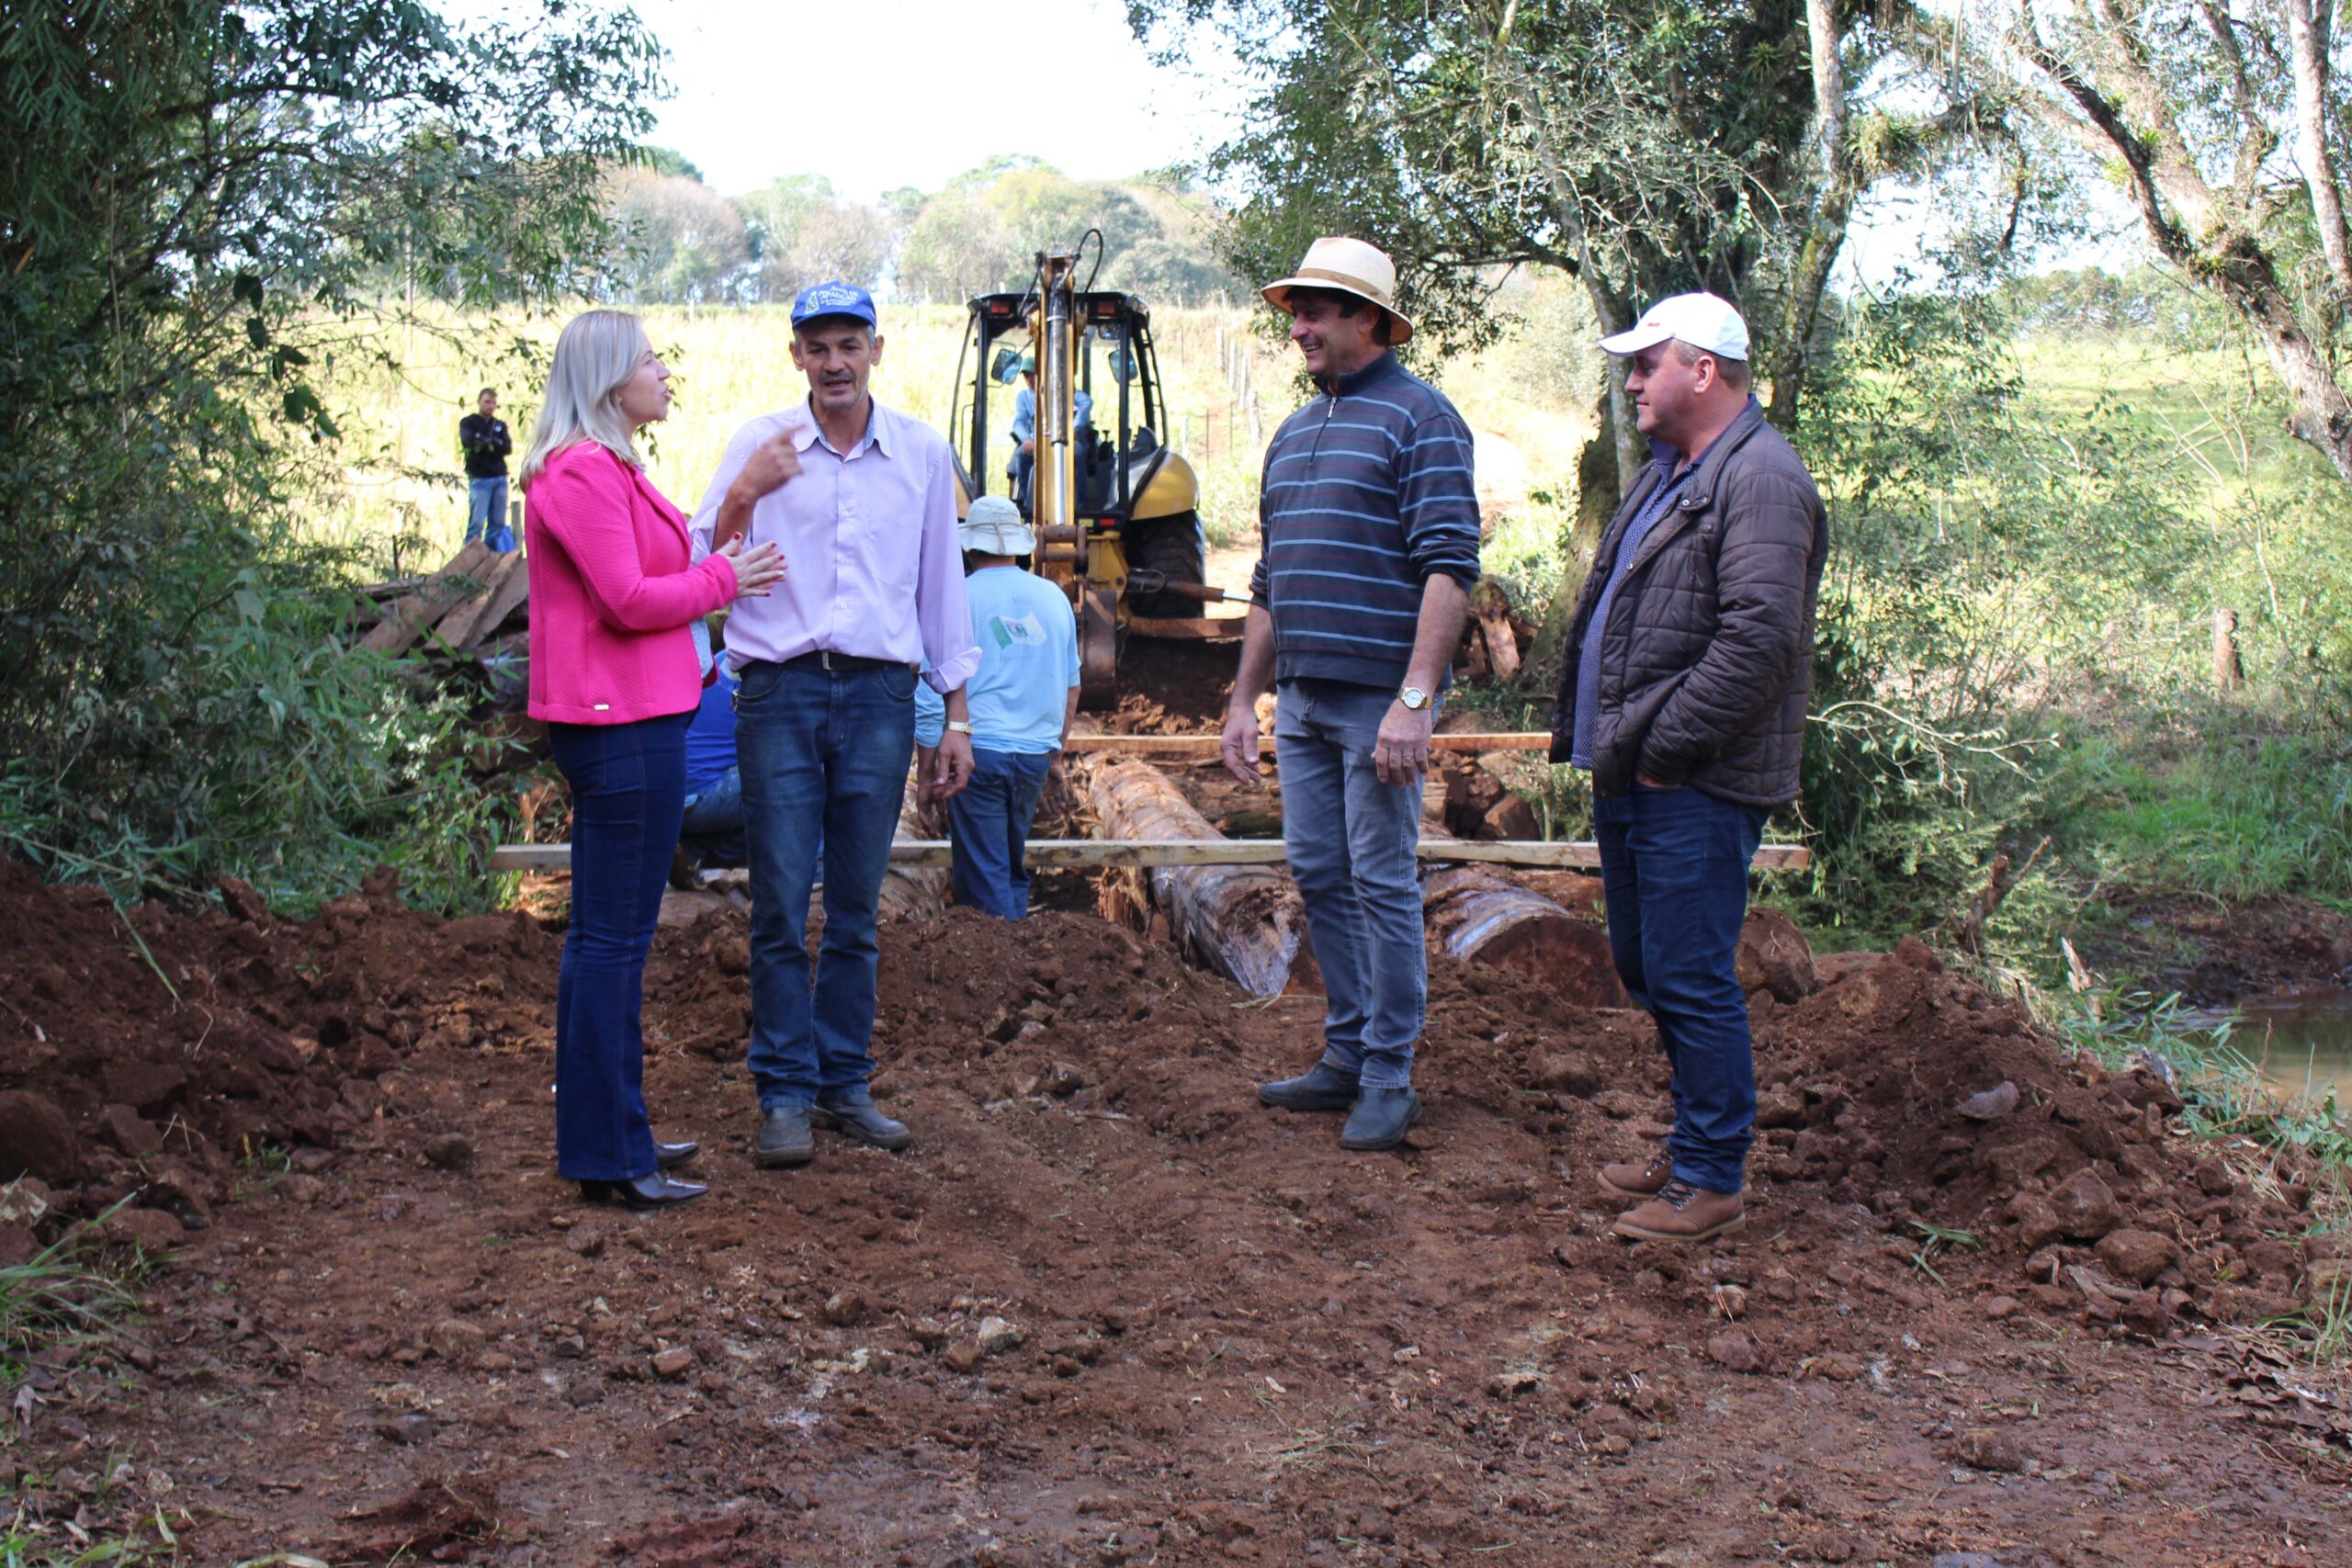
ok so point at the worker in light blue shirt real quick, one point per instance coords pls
(1018, 467)
(1023, 699)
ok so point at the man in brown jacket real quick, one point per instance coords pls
(1688, 660)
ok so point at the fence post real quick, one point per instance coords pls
(2229, 673)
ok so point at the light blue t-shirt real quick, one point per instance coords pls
(1028, 639)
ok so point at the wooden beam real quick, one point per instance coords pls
(1189, 628)
(1206, 746)
(1083, 855)
(405, 619)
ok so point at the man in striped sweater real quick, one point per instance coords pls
(1368, 528)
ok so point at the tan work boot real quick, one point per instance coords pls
(1683, 1213)
(1628, 1179)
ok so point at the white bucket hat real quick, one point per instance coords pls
(1706, 321)
(1350, 267)
(994, 527)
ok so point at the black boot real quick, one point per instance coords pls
(784, 1138)
(1381, 1119)
(654, 1191)
(1321, 1087)
(666, 1156)
(858, 1120)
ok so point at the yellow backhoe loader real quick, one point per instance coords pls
(1115, 508)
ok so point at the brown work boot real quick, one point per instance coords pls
(1683, 1213)
(1628, 1179)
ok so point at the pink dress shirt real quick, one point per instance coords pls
(872, 565)
(612, 591)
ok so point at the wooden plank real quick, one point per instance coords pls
(503, 585)
(1082, 854)
(405, 620)
(1207, 745)
(1189, 628)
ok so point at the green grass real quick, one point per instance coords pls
(2226, 810)
(397, 395)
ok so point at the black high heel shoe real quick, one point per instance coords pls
(666, 1156)
(654, 1191)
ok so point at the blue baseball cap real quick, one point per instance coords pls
(834, 299)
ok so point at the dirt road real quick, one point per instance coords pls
(1108, 1311)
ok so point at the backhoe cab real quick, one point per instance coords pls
(1114, 507)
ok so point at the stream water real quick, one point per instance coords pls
(2301, 1040)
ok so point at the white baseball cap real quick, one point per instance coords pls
(994, 527)
(1704, 322)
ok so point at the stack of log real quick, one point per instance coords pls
(476, 605)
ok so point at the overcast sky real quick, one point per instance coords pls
(878, 93)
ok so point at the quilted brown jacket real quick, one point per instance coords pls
(1707, 657)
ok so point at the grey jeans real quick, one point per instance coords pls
(1351, 839)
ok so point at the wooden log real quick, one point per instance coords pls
(1477, 914)
(1246, 921)
(503, 585)
(1101, 854)
(405, 620)
(1491, 608)
(1205, 745)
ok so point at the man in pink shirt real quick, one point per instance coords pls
(873, 591)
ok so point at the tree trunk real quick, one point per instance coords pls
(2308, 40)
(1245, 921)
(1789, 360)
(1482, 916)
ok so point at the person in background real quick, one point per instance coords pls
(1025, 426)
(615, 679)
(711, 828)
(1689, 657)
(1023, 699)
(1368, 520)
(827, 711)
(482, 437)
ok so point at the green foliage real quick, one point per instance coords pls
(203, 197)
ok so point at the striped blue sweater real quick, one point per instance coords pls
(1366, 494)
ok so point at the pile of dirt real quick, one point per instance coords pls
(1887, 1085)
(145, 1055)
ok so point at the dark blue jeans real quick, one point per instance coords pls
(1674, 875)
(626, 783)
(713, 823)
(1351, 852)
(486, 514)
(823, 758)
(989, 821)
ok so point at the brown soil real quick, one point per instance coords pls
(1223, 1339)
(2213, 955)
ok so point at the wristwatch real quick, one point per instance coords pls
(1414, 697)
(959, 726)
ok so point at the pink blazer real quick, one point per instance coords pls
(612, 593)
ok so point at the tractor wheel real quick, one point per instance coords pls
(1173, 547)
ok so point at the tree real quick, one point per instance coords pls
(2224, 126)
(957, 247)
(804, 232)
(202, 196)
(1640, 146)
(677, 238)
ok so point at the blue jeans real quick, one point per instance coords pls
(486, 514)
(626, 781)
(713, 822)
(1673, 876)
(1351, 841)
(823, 757)
(990, 824)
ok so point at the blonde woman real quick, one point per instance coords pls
(615, 678)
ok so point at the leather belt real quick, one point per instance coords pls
(841, 663)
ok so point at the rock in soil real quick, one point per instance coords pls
(1989, 1448)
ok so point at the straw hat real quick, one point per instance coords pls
(1350, 266)
(994, 527)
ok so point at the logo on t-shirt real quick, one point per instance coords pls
(1027, 630)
